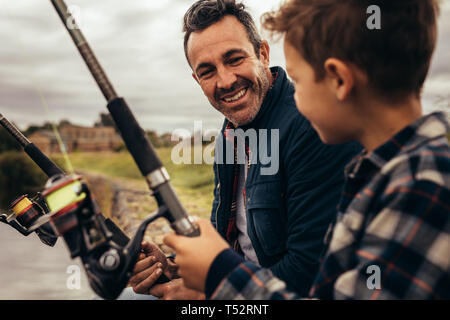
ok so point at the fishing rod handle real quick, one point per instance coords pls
(150, 166)
(176, 214)
(134, 137)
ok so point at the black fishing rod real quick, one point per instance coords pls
(107, 265)
(66, 208)
(134, 136)
(30, 214)
(49, 167)
(25, 211)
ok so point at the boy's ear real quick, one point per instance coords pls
(341, 76)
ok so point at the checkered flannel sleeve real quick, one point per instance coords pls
(404, 251)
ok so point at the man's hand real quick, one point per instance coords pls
(151, 263)
(175, 290)
(195, 254)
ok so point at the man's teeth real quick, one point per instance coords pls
(236, 97)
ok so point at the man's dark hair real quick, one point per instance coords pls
(205, 13)
(396, 58)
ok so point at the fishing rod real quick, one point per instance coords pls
(107, 265)
(66, 208)
(25, 211)
(134, 136)
(48, 166)
(30, 214)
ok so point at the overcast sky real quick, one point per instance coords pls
(139, 44)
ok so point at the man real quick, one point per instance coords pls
(274, 218)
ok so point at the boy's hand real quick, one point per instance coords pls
(195, 255)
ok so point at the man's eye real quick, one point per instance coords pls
(205, 73)
(235, 61)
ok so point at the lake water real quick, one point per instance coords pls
(30, 270)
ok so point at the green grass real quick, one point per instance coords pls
(194, 184)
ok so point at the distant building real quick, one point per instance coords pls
(166, 140)
(77, 138)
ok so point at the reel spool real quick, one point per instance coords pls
(30, 215)
(26, 211)
(74, 215)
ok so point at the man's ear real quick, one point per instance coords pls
(341, 77)
(264, 53)
(195, 77)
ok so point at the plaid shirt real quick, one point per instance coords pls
(391, 239)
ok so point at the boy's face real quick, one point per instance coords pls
(317, 101)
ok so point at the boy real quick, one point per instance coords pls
(391, 238)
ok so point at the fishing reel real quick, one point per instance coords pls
(74, 215)
(23, 215)
(67, 209)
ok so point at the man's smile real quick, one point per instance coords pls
(235, 97)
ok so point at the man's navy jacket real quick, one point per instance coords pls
(289, 212)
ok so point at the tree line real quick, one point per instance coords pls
(20, 175)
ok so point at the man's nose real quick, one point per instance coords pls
(226, 78)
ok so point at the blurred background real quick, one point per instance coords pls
(140, 45)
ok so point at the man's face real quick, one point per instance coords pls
(225, 64)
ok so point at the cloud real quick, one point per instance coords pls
(140, 46)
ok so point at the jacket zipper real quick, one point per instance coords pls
(218, 191)
(245, 186)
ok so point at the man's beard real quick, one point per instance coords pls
(258, 90)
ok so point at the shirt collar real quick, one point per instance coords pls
(423, 130)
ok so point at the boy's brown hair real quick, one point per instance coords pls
(396, 58)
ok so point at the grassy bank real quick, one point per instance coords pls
(194, 184)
